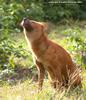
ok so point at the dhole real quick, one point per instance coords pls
(49, 56)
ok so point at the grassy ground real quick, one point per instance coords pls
(27, 90)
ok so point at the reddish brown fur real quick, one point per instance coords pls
(49, 56)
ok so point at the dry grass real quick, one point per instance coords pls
(28, 91)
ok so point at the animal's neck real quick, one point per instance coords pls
(39, 43)
(39, 46)
(31, 37)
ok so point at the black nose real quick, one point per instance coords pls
(24, 19)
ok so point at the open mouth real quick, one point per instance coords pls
(27, 24)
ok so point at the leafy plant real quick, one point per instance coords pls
(8, 51)
(76, 44)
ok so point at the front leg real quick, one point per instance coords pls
(41, 72)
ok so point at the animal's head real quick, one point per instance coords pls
(33, 27)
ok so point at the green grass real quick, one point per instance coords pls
(28, 90)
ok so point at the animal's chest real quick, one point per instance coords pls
(39, 53)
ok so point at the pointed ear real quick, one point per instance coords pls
(44, 27)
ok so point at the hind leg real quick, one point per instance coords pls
(65, 77)
(55, 76)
